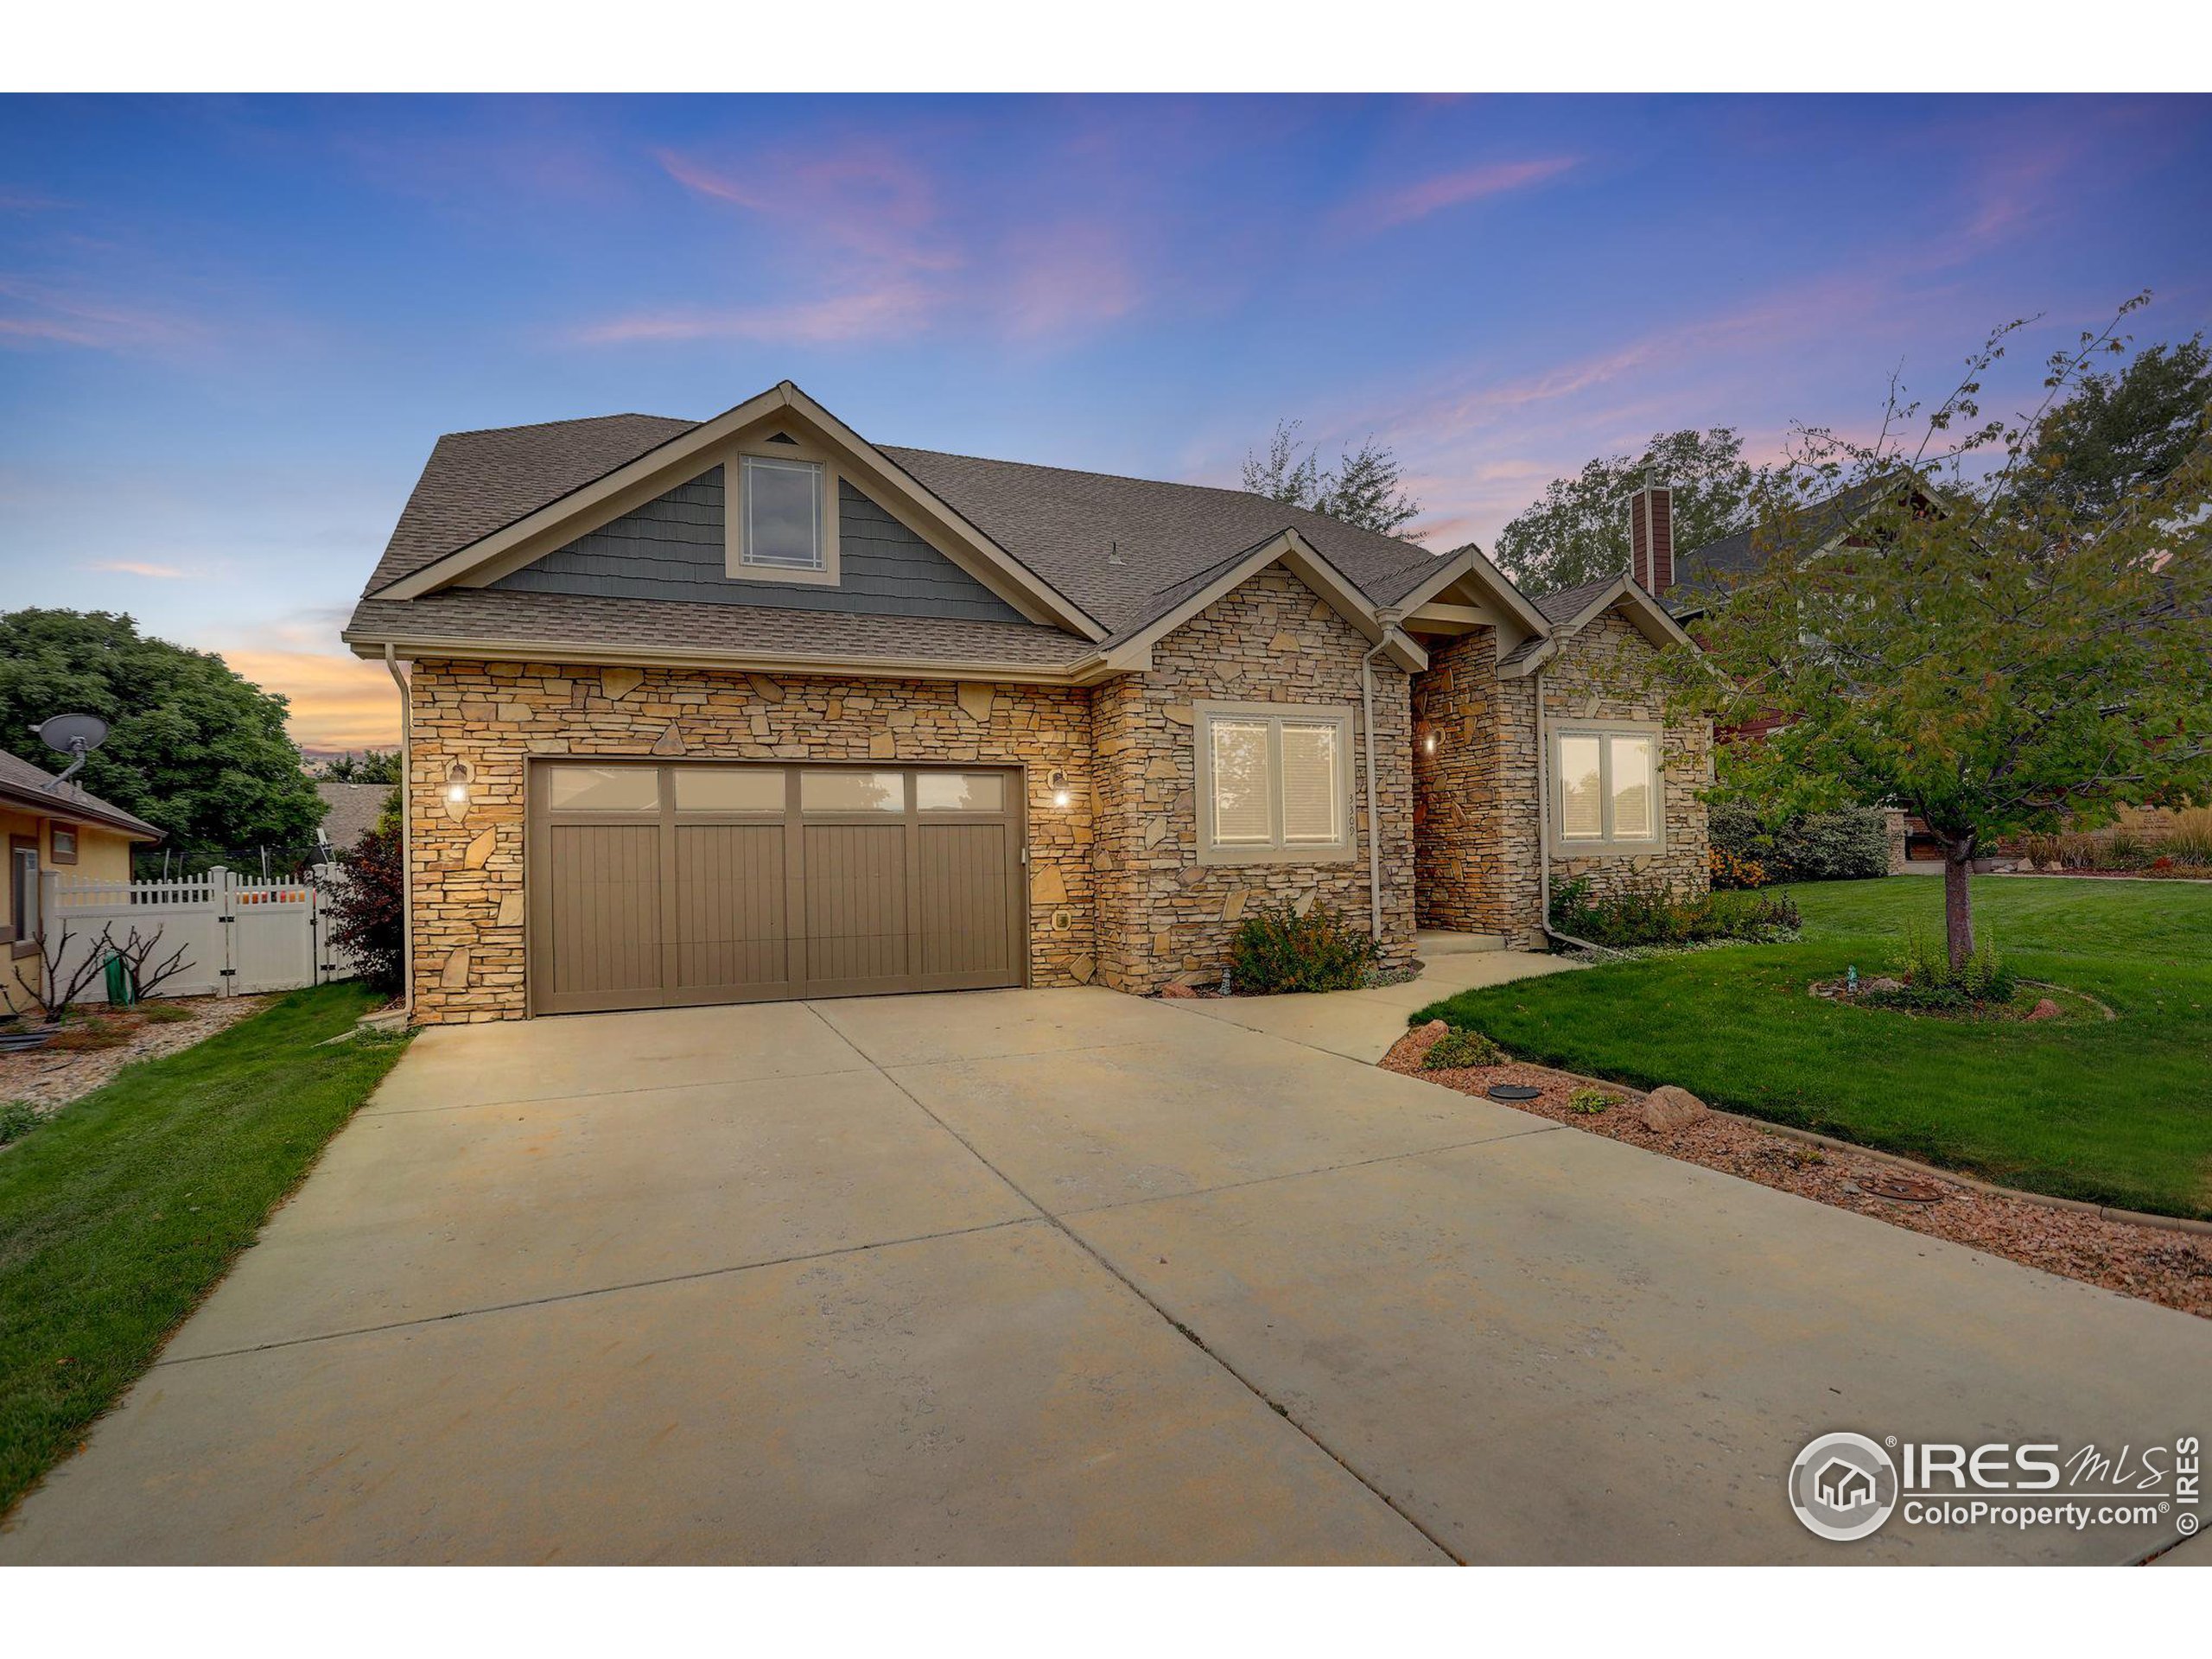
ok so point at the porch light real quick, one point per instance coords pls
(1058, 783)
(457, 783)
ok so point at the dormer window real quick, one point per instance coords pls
(781, 516)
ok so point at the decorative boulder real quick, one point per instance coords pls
(1667, 1109)
(1881, 982)
(2046, 1009)
(1177, 991)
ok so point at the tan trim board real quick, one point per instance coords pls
(1471, 561)
(1085, 671)
(1312, 567)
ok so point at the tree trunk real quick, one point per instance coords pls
(1958, 899)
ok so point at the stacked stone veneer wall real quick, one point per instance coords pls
(1165, 917)
(1480, 833)
(1470, 874)
(1600, 674)
(470, 907)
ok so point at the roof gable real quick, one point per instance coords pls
(674, 547)
(684, 454)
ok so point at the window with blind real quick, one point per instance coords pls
(1606, 789)
(1274, 783)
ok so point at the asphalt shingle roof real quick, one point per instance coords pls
(353, 810)
(490, 614)
(1060, 523)
(20, 778)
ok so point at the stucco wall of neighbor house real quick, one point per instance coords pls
(1165, 917)
(1600, 674)
(102, 856)
(469, 906)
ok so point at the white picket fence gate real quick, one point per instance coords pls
(240, 935)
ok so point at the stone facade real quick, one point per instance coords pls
(1165, 917)
(1116, 893)
(1601, 675)
(1476, 778)
(469, 906)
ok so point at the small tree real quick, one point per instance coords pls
(56, 993)
(145, 964)
(1980, 645)
(1365, 489)
(368, 908)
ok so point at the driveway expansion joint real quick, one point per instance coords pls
(1180, 1327)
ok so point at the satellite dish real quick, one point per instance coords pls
(74, 735)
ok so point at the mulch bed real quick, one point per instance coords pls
(49, 1078)
(2171, 1268)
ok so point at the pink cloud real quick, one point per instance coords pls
(1425, 196)
(870, 314)
(46, 316)
(136, 567)
(865, 198)
(1065, 277)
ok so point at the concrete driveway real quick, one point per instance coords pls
(1054, 1276)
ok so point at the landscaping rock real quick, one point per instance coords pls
(1667, 1109)
(1178, 992)
(1884, 983)
(2046, 1009)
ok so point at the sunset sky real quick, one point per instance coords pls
(230, 329)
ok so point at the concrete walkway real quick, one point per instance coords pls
(1055, 1276)
(1362, 1025)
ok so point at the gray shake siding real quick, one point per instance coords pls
(672, 547)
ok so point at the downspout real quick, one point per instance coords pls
(406, 836)
(1389, 619)
(1544, 828)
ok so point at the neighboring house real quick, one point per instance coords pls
(49, 828)
(352, 810)
(752, 708)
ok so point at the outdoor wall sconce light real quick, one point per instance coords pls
(458, 776)
(1427, 734)
(1058, 783)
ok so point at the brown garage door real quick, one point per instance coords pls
(656, 886)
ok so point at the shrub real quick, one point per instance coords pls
(17, 1119)
(1931, 981)
(1653, 914)
(367, 907)
(1847, 845)
(1276, 949)
(2188, 839)
(1590, 1102)
(1461, 1049)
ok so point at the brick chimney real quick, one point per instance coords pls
(1651, 537)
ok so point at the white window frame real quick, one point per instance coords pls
(1608, 844)
(1276, 850)
(734, 563)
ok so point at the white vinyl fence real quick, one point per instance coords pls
(240, 935)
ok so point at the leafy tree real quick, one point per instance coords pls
(367, 907)
(2026, 658)
(1366, 488)
(2119, 432)
(1577, 531)
(369, 767)
(196, 750)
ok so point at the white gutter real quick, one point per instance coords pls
(406, 834)
(1388, 619)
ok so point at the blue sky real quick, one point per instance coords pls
(229, 328)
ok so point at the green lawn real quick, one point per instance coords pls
(2117, 1112)
(118, 1215)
